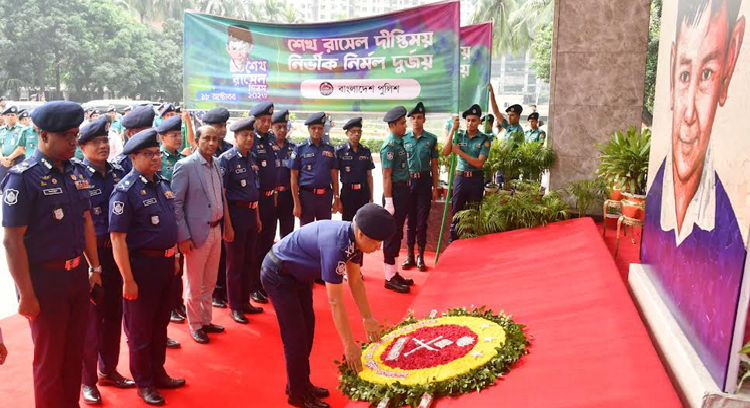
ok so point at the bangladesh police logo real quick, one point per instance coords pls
(11, 196)
(341, 268)
(326, 88)
(118, 207)
(390, 155)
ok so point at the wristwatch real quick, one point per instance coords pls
(97, 269)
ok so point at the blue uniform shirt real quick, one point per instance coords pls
(123, 160)
(220, 149)
(314, 163)
(283, 154)
(266, 160)
(353, 166)
(145, 211)
(51, 204)
(240, 175)
(319, 250)
(101, 188)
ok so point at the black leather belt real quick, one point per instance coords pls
(215, 223)
(318, 191)
(156, 254)
(66, 265)
(282, 188)
(423, 174)
(354, 186)
(404, 183)
(245, 204)
(477, 173)
(267, 193)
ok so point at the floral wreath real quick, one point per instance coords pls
(461, 351)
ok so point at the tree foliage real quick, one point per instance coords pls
(541, 51)
(515, 22)
(652, 57)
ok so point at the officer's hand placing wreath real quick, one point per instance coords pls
(353, 355)
(372, 328)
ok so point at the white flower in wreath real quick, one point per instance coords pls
(341, 268)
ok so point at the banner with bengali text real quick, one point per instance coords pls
(369, 64)
(476, 61)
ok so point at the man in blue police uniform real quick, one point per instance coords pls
(241, 184)
(313, 172)
(421, 154)
(472, 148)
(355, 167)
(283, 149)
(11, 148)
(105, 310)
(265, 158)
(396, 195)
(534, 134)
(48, 226)
(328, 250)
(143, 230)
(138, 119)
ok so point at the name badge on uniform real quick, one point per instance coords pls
(243, 182)
(346, 157)
(12, 140)
(96, 192)
(150, 201)
(240, 170)
(278, 163)
(155, 219)
(52, 191)
(285, 162)
(169, 194)
(476, 146)
(408, 145)
(58, 213)
(308, 155)
(261, 151)
(403, 165)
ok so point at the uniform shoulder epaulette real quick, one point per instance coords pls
(126, 183)
(24, 165)
(231, 153)
(341, 147)
(117, 166)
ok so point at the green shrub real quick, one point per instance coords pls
(587, 193)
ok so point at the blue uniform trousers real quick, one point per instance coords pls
(420, 202)
(465, 190)
(293, 303)
(285, 212)
(220, 290)
(146, 318)
(315, 206)
(267, 209)
(241, 256)
(58, 333)
(177, 290)
(105, 323)
(352, 200)
(392, 245)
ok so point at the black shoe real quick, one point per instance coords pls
(219, 303)
(250, 309)
(172, 343)
(91, 395)
(116, 380)
(395, 285)
(316, 391)
(199, 336)
(319, 281)
(151, 396)
(405, 281)
(239, 317)
(176, 318)
(409, 262)
(169, 383)
(420, 263)
(213, 328)
(182, 310)
(309, 401)
(258, 297)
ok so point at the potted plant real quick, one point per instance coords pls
(586, 193)
(624, 163)
(491, 167)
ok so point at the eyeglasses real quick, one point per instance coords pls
(150, 155)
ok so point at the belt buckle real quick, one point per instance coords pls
(71, 264)
(268, 193)
(356, 186)
(416, 175)
(467, 174)
(253, 205)
(319, 191)
(169, 252)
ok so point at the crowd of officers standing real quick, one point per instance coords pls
(92, 242)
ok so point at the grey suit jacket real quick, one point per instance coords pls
(192, 206)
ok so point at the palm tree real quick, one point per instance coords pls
(514, 21)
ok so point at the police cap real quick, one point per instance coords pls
(318, 118)
(216, 115)
(515, 109)
(488, 116)
(127, 108)
(141, 140)
(12, 109)
(57, 116)
(375, 222)
(394, 114)
(473, 110)
(417, 109)
(142, 116)
(23, 113)
(111, 109)
(281, 116)
(245, 124)
(168, 125)
(534, 116)
(263, 108)
(99, 127)
(356, 122)
(166, 108)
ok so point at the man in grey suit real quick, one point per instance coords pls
(200, 209)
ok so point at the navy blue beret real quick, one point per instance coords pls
(142, 116)
(57, 116)
(23, 113)
(244, 124)
(534, 116)
(10, 109)
(417, 109)
(141, 140)
(514, 108)
(281, 116)
(263, 108)
(488, 116)
(178, 108)
(356, 122)
(166, 108)
(99, 127)
(318, 118)
(474, 110)
(375, 222)
(216, 115)
(168, 125)
(394, 114)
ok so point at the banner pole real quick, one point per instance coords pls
(451, 172)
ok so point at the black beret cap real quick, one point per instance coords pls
(111, 109)
(534, 116)
(127, 108)
(94, 110)
(356, 122)
(244, 124)
(178, 108)
(473, 110)
(375, 222)
(99, 127)
(216, 115)
(166, 108)
(514, 108)
(394, 114)
(263, 108)
(168, 125)
(281, 116)
(10, 109)
(57, 116)
(489, 116)
(141, 140)
(142, 116)
(417, 109)
(318, 118)
(23, 113)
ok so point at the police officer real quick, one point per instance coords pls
(422, 154)
(355, 167)
(24, 118)
(143, 231)
(28, 134)
(48, 227)
(313, 172)
(268, 164)
(328, 250)
(10, 140)
(166, 111)
(488, 123)
(534, 134)
(396, 195)
(105, 312)
(283, 149)
(241, 184)
(139, 119)
(472, 148)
